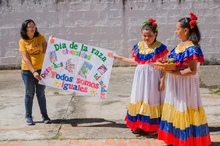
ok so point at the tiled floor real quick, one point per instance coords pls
(97, 142)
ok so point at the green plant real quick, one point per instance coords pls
(57, 136)
(56, 93)
(215, 90)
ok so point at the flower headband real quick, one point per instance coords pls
(152, 23)
(193, 19)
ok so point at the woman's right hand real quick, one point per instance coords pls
(51, 40)
(37, 76)
(51, 37)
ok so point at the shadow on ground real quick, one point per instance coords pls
(215, 143)
(88, 122)
(214, 129)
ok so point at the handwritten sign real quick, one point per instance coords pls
(77, 67)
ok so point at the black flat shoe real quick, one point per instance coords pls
(136, 131)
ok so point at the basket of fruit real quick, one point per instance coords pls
(165, 65)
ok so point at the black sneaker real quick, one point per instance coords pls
(46, 119)
(29, 120)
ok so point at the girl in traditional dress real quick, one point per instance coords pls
(144, 109)
(183, 121)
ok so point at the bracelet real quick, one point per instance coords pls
(34, 71)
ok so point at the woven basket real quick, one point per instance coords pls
(164, 66)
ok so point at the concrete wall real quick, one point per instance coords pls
(111, 24)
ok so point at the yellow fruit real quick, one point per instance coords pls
(171, 60)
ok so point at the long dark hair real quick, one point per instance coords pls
(194, 33)
(23, 30)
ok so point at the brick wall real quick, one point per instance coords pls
(111, 24)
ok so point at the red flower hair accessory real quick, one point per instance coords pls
(193, 19)
(151, 22)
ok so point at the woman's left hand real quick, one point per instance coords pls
(37, 76)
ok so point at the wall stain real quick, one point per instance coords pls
(34, 1)
(22, 2)
(180, 1)
(58, 1)
(124, 4)
(85, 0)
(3, 2)
(162, 1)
(37, 1)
